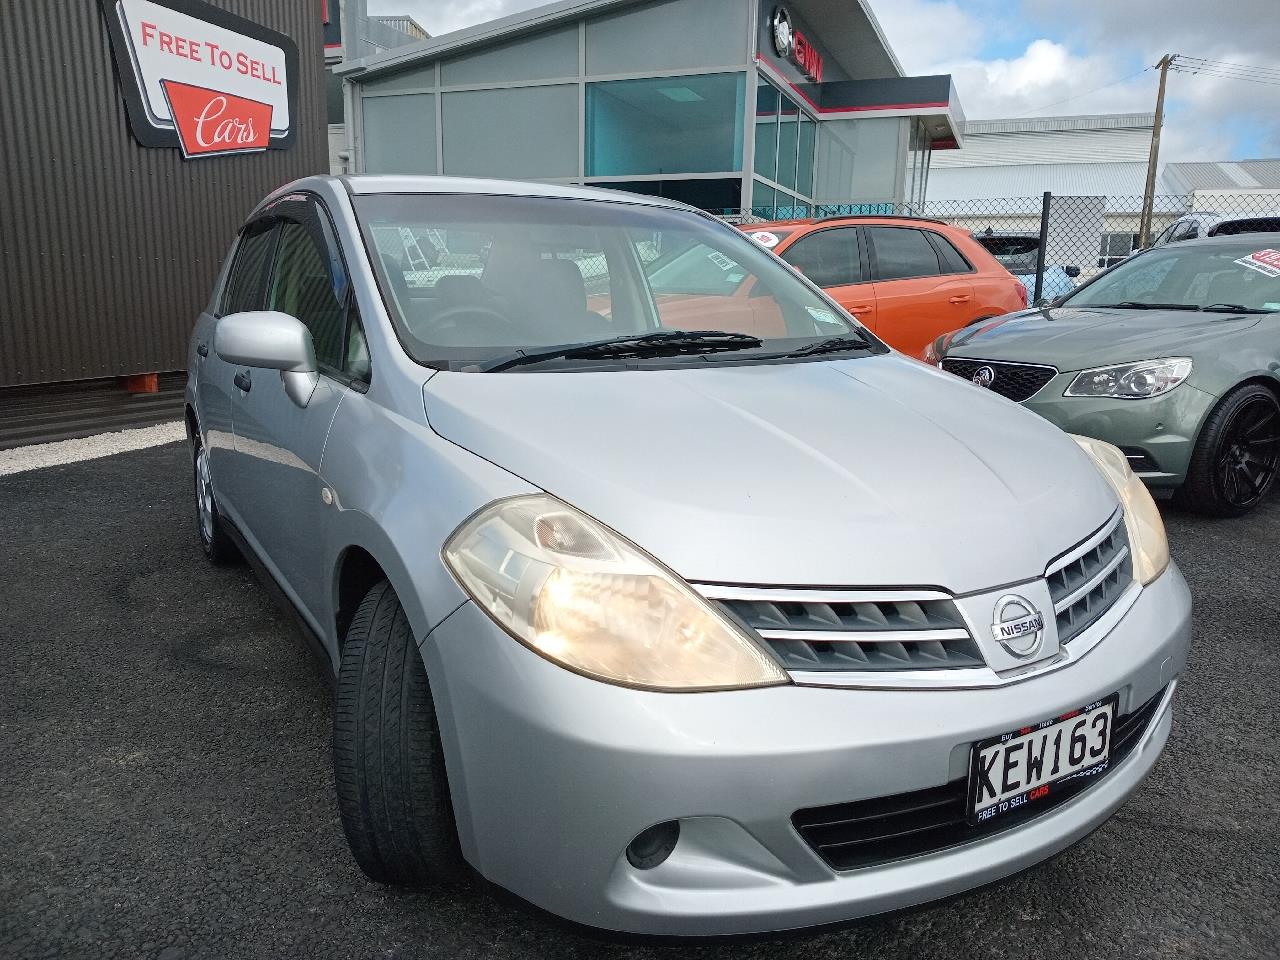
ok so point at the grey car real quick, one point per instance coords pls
(667, 598)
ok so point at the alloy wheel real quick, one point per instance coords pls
(1250, 452)
(204, 494)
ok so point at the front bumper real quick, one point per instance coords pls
(1165, 428)
(553, 774)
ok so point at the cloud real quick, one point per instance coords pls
(1084, 61)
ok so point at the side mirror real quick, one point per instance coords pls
(1071, 272)
(273, 341)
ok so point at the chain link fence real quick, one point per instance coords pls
(1051, 242)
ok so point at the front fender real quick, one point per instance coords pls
(399, 491)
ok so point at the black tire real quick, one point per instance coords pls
(218, 547)
(978, 320)
(1234, 464)
(393, 793)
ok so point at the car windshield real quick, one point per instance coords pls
(471, 278)
(1241, 274)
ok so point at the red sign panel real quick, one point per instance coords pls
(211, 122)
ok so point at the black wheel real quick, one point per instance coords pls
(218, 547)
(1234, 463)
(393, 793)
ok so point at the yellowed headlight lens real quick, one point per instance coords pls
(1148, 542)
(580, 595)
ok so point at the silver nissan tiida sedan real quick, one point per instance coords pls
(656, 588)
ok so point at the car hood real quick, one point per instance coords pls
(871, 471)
(1073, 338)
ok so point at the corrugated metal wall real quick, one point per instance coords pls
(108, 250)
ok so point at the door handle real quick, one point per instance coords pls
(243, 381)
(860, 308)
(202, 349)
(963, 298)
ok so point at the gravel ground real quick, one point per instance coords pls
(39, 455)
(166, 787)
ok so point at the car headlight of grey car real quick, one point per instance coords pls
(582, 596)
(1148, 542)
(1131, 381)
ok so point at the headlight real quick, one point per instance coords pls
(930, 354)
(1131, 381)
(1148, 543)
(582, 596)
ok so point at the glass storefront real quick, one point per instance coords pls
(785, 148)
(665, 125)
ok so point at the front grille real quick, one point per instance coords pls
(1016, 381)
(866, 632)
(1089, 579)
(868, 833)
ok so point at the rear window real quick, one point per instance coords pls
(1015, 254)
(902, 253)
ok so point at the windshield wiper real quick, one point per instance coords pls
(1140, 305)
(656, 344)
(831, 345)
(1233, 308)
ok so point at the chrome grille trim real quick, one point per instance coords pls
(867, 636)
(1089, 543)
(1086, 587)
(1086, 581)
(724, 591)
(853, 631)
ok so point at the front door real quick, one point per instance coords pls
(832, 259)
(243, 290)
(275, 485)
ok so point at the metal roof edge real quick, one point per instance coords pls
(512, 25)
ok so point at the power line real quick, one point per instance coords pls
(1224, 70)
(1085, 94)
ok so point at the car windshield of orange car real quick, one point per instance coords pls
(471, 280)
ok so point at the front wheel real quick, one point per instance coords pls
(1233, 466)
(388, 763)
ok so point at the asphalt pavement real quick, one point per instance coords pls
(166, 788)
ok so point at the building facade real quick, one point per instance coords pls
(730, 105)
(373, 35)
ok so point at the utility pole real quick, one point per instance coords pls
(1148, 197)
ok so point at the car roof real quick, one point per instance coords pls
(1224, 240)
(883, 219)
(365, 184)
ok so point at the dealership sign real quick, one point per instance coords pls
(203, 80)
(790, 44)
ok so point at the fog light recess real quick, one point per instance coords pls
(652, 846)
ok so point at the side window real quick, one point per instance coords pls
(901, 253)
(827, 257)
(249, 271)
(952, 260)
(302, 285)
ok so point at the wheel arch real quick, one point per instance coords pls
(355, 573)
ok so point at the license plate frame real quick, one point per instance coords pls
(1055, 788)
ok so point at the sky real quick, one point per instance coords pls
(1013, 58)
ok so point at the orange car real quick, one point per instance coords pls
(907, 278)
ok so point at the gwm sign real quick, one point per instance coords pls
(790, 44)
(203, 80)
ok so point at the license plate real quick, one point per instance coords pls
(1033, 763)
